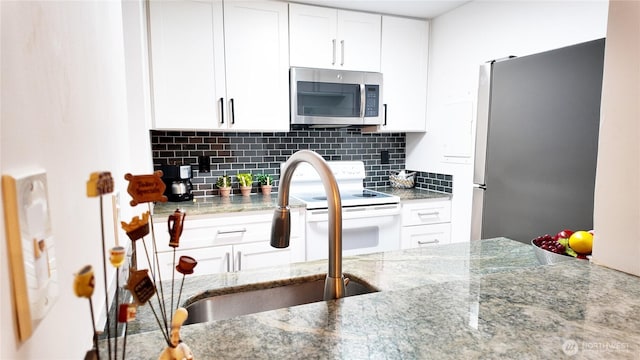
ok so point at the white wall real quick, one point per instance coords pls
(64, 109)
(617, 196)
(463, 39)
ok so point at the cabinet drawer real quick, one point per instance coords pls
(425, 235)
(223, 230)
(204, 233)
(426, 212)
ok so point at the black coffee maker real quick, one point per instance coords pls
(177, 179)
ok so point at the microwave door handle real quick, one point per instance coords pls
(363, 99)
(385, 114)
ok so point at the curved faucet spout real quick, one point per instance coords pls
(281, 227)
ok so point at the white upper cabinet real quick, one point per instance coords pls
(257, 63)
(405, 46)
(187, 63)
(220, 65)
(334, 39)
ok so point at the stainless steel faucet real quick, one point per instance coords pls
(334, 285)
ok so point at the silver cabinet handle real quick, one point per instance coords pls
(431, 213)
(333, 61)
(228, 259)
(243, 230)
(363, 100)
(436, 241)
(341, 52)
(239, 267)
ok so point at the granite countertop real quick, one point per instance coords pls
(483, 299)
(414, 193)
(259, 202)
(220, 205)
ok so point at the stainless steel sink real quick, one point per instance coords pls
(252, 301)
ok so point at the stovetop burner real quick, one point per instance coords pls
(365, 194)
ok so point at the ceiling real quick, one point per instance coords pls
(426, 9)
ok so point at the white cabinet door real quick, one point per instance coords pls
(257, 65)
(313, 38)
(405, 44)
(223, 258)
(260, 254)
(215, 69)
(359, 41)
(187, 63)
(334, 39)
(211, 260)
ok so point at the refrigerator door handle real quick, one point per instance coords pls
(476, 211)
(482, 123)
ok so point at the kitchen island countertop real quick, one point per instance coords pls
(484, 299)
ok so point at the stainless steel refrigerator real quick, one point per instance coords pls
(537, 143)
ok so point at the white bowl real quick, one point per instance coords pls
(546, 257)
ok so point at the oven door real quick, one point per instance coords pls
(365, 229)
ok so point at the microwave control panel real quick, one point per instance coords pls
(373, 98)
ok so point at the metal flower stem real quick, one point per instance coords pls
(180, 292)
(124, 341)
(173, 276)
(163, 311)
(115, 317)
(146, 252)
(164, 333)
(104, 273)
(95, 332)
(153, 279)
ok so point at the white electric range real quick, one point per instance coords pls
(370, 219)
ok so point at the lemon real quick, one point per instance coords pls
(581, 242)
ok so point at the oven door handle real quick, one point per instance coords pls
(320, 215)
(354, 209)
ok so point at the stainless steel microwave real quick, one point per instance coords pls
(333, 98)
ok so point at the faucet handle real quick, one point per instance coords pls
(281, 228)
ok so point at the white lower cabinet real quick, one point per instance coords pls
(224, 243)
(425, 222)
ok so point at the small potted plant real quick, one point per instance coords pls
(224, 184)
(266, 183)
(246, 181)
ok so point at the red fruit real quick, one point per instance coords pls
(564, 234)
